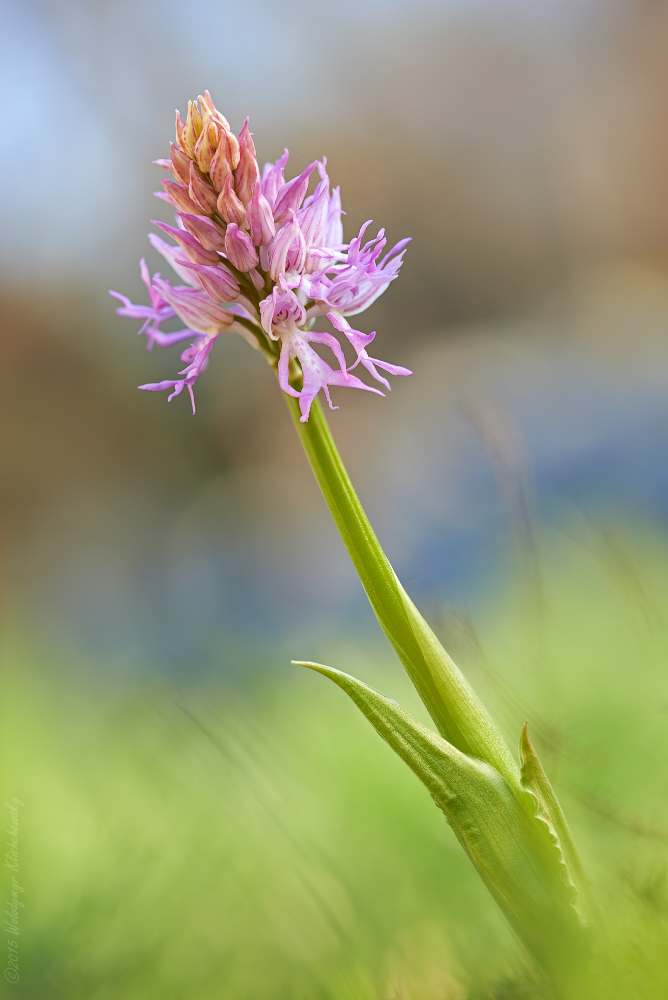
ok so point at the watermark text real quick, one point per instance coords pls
(14, 903)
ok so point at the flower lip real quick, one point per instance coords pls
(198, 356)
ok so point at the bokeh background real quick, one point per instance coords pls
(200, 819)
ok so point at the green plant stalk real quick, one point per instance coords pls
(458, 713)
(507, 818)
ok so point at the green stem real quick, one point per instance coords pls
(453, 705)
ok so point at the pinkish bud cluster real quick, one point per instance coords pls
(262, 258)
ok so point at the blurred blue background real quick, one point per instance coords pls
(524, 147)
(521, 145)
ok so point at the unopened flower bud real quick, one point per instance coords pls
(181, 162)
(260, 218)
(207, 232)
(206, 144)
(192, 128)
(225, 160)
(218, 282)
(171, 254)
(192, 248)
(201, 191)
(291, 195)
(180, 132)
(229, 205)
(239, 248)
(180, 199)
(207, 103)
(219, 168)
(247, 175)
(248, 171)
(167, 165)
(246, 138)
(233, 151)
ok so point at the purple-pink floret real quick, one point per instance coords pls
(275, 266)
(198, 357)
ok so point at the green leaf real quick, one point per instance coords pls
(513, 853)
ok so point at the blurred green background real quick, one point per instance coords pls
(200, 819)
(204, 840)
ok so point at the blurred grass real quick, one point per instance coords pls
(265, 845)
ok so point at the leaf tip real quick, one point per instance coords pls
(526, 746)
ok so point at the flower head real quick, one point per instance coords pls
(262, 258)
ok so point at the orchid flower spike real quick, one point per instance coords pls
(260, 257)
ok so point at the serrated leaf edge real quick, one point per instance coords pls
(528, 758)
